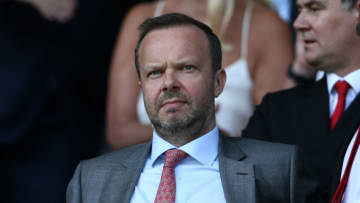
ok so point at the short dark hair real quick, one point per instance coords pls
(177, 19)
(348, 4)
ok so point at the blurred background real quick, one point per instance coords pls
(54, 64)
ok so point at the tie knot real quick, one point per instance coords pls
(341, 87)
(173, 157)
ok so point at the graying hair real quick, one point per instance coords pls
(348, 4)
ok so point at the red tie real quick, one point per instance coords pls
(341, 88)
(337, 198)
(167, 188)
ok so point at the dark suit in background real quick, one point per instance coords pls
(52, 95)
(301, 116)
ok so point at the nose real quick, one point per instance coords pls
(301, 23)
(170, 81)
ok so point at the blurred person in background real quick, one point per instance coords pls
(54, 56)
(322, 117)
(257, 50)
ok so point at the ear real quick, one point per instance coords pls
(356, 11)
(220, 79)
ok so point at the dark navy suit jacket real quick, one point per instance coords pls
(301, 116)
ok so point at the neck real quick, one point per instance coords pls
(181, 135)
(347, 69)
(340, 67)
(350, 62)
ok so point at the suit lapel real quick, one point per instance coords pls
(315, 127)
(313, 109)
(312, 132)
(349, 121)
(124, 177)
(345, 130)
(237, 177)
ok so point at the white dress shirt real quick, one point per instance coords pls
(353, 79)
(197, 176)
(352, 191)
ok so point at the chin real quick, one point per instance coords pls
(174, 124)
(171, 113)
(313, 61)
(172, 119)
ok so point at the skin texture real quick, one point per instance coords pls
(300, 66)
(328, 34)
(123, 127)
(178, 85)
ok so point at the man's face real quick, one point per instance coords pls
(328, 33)
(176, 77)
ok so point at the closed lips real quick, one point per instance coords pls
(172, 101)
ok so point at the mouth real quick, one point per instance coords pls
(307, 37)
(309, 41)
(173, 103)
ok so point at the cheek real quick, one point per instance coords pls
(330, 28)
(200, 90)
(150, 93)
(193, 88)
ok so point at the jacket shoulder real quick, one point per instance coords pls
(297, 91)
(265, 147)
(300, 91)
(114, 159)
(260, 151)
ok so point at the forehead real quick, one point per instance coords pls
(184, 39)
(187, 33)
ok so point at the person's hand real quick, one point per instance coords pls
(55, 10)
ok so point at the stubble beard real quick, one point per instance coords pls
(180, 130)
(325, 60)
(325, 63)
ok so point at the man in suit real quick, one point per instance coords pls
(310, 116)
(178, 60)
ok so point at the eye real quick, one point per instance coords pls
(154, 74)
(188, 68)
(315, 7)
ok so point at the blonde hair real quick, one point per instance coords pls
(219, 13)
(215, 9)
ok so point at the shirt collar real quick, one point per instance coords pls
(203, 149)
(352, 79)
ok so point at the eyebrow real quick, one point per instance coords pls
(309, 3)
(177, 63)
(183, 61)
(152, 66)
